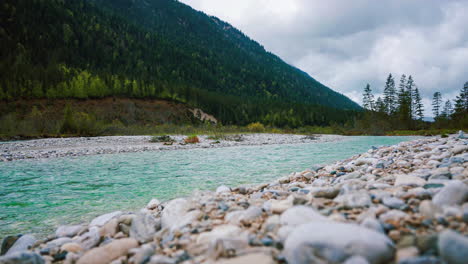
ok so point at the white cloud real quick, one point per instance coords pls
(346, 44)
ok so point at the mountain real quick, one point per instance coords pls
(154, 49)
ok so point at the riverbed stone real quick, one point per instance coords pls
(374, 224)
(143, 227)
(241, 216)
(223, 189)
(7, 242)
(109, 252)
(103, 219)
(23, 243)
(453, 193)
(173, 212)
(153, 204)
(324, 192)
(22, 257)
(453, 247)
(311, 241)
(223, 231)
(257, 258)
(441, 173)
(393, 202)
(409, 180)
(299, 215)
(71, 247)
(354, 199)
(69, 231)
(89, 239)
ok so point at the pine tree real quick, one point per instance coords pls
(410, 96)
(461, 102)
(380, 105)
(390, 95)
(448, 109)
(418, 105)
(368, 98)
(436, 104)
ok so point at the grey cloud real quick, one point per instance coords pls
(346, 44)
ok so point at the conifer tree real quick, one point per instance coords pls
(390, 95)
(448, 109)
(436, 104)
(368, 98)
(418, 105)
(380, 105)
(410, 96)
(461, 102)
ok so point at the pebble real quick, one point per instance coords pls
(143, 227)
(103, 219)
(406, 253)
(257, 258)
(408, 180)
(299, 215)
(22, 257)
(453, 247)
(23, 243)
(69, 231)
(393, 202)
(354, 200)
(109, 252)
(454, 193)
(223, 189)
(71, 247)
(307, 241)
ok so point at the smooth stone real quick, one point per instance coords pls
(241, 216)
(160, 259)
(454, 193)
(223, 189)
(89, 239)
(409, 180)
(143, 227)
(143, 254)
(68, 231)
(71, 247)
(427, 243)
(299, 215)
(354, 200)
(226, 247)
(23, 243)
(153, 204)
(453, 247)
(7, 242)
(57, 243)
(393, 202)
(406, 253)
(441, 173)
(22, 257)
(356, 260)
(373, 224)
(173, 212)
(109, 252)
(110, 228)
(103, 219)
(422, 260)
(223, 231)
(279, 206)
(306, 242)
(257, 258)
(459, 149)
(392, 215)
(324, 192)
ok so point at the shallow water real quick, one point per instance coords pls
(38, 195)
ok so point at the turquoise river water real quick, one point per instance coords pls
(38, 195)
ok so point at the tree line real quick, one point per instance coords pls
(402, 108)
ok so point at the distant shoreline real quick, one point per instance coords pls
(84, 146)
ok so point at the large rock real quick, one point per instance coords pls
(143, 227)
(89, 239)
(409, 180)
(241, 216)
(109, 252)
(299, 215)
(454, 193)
(23, 243)
(223, 231)
(68, 231)
(7, 243)
(334, 242)
(354, 199)
(173, 212)
(453, 247)
(22, 257)
(103, 219)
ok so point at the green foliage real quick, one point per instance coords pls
(256, 127)
(158, 139)
(155, 49)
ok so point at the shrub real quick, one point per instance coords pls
(192, 139)
(256, 127)
(164, 139)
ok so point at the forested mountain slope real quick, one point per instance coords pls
(154, 49)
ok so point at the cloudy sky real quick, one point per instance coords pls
(346, 44)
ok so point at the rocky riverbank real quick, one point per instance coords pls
(73, 147)
(406, 203)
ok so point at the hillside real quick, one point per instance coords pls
(154, 49)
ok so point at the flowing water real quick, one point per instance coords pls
(38, 195)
